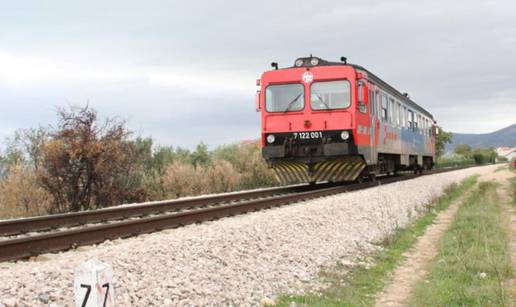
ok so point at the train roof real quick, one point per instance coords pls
(307, 62)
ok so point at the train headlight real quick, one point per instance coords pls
(270, 138)
(299, 62)
(314, 61)
(344, 135)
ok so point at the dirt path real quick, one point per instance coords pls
(414, 268)
(510, 214)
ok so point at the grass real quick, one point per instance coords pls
(359, 285)
(512, 190)
(473, 261)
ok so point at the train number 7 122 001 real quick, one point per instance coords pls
(308, 135)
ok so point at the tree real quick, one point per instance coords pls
(3, 167)
(463, 150)
(25, 146)
(442, 139)
(87, 164)
(484, 155)
(201, 155)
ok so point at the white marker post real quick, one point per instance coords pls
(93, 285)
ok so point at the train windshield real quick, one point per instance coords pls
(330, 95)
(284, 98)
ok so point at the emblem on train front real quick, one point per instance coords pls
(308, 77)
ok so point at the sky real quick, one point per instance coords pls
(183, 72)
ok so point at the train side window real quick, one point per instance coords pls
(411, 120)
(377, 104)
(397, 110)
(398, 113)
(384, 108)
(371, 102)
(395, 117)
(390, 113)
(407, 118)
(403, 111)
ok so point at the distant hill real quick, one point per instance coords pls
(503, 137)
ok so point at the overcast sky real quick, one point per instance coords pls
(184, 71)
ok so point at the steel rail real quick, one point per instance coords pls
(20, 248)
(38, 223)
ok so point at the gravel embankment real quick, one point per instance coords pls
(234, 261)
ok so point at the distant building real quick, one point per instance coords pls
(508, 152)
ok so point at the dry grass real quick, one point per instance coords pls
(184, 179)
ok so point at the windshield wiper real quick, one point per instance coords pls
(292, 102)
(321, 100)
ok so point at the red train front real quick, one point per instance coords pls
(319, 123)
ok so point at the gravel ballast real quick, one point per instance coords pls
(241, 260)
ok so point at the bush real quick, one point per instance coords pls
(220, 177)
(484, 155)
(248, 161)
(463, 149)
(88, 164)
(21, 195)
(465, 156)
(182, 179)
(502, 159)
(454, 161)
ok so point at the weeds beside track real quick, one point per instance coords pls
(473, 260)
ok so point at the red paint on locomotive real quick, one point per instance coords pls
(375, 142)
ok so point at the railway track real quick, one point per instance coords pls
(154, 216)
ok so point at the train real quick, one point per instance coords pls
(324, 121)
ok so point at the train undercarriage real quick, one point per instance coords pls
(345, 168)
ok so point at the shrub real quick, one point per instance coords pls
(248, 161)
(220, 177)
(86, 164)
(454, 161)
(484, 155)
(21, 195)
(182, 179)
(502, 159)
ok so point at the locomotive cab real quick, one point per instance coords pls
(334, 121)
(308, 120)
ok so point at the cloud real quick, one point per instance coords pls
(185, 71)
